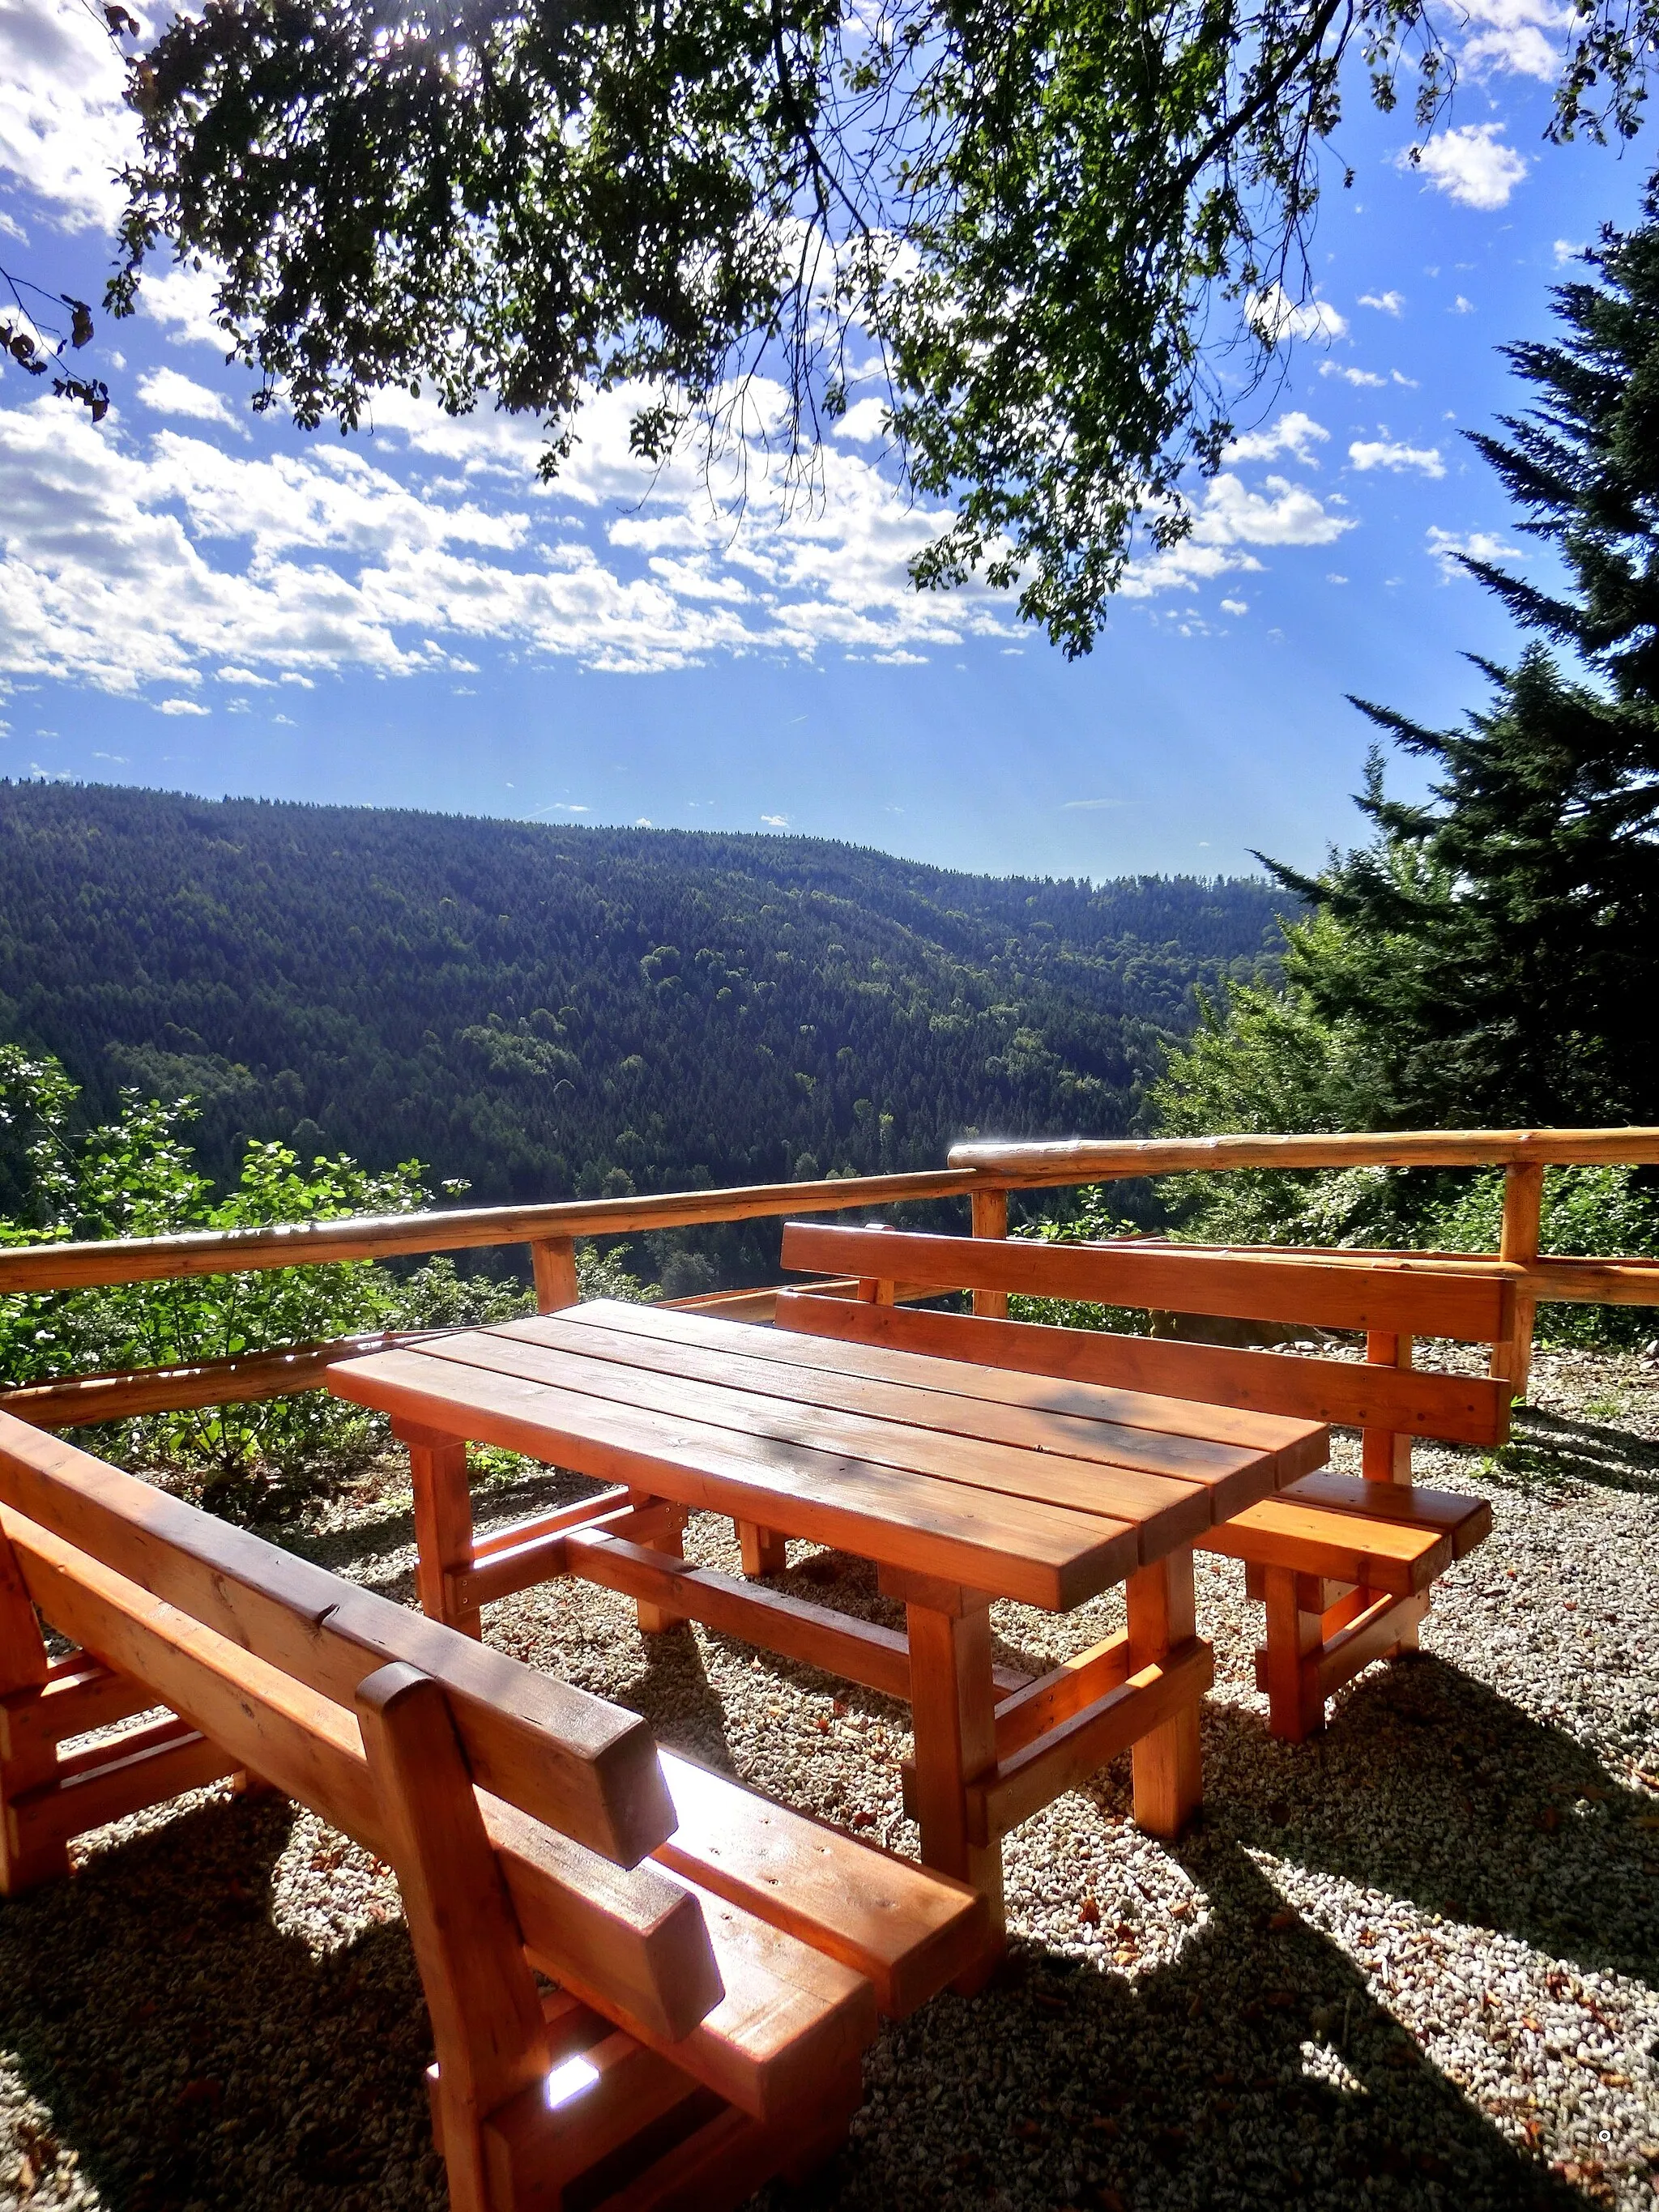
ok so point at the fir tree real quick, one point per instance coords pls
(1500, 940)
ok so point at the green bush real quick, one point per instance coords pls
(134, 1177)
(1610, 1211)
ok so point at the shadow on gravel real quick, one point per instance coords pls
(1253, 2073)
(1430, 1787)
(193, 2058)
(1547, 1451)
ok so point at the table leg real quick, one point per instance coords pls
(764, 1552)
(952, 1701)
(1167, 1784)
(654, 1619)
(443, 1521)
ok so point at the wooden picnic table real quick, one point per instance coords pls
(961, 1483)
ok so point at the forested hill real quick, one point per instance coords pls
(557, 1011)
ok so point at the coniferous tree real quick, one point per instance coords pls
(1500, 939)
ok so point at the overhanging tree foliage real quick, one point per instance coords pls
(1034, 211)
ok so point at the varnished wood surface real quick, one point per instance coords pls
(1369, 1291)
(1025, 1166)
(997, 1482)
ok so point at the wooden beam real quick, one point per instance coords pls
(907, 1930)
(857, 1650)
(1028, 1166)
(553, 1263)
(1161, 1609)
(535, 1552)
(151, 1766)
(480, 1994)
(1343, 1548)
(990, 1218)
(1061, 1695)
(1461, 1409)
(315, 1243)
(1155, 1696)
(1387, 1294)
(247, 1378)
(1385, 1623)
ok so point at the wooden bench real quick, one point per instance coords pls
(720, 1960)
(1342, 1564)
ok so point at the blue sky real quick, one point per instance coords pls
(196, 598)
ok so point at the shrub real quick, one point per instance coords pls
(134, 1177)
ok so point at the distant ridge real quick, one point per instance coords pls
(548, 1011)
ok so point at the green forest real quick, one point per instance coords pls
(546, 1012)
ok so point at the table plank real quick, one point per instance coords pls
(1234, 1476)
(1036, 1555)
(1170, 1511)
(1270, 1432)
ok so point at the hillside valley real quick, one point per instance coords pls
(546, 1011)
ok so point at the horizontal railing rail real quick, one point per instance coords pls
(1082, 1159)
(984, 1172)
(387, 1236)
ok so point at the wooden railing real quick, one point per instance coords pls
(984, 1173)
(1523, 1154)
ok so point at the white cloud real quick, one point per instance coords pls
(1387, 303)
(1385, 453)
(1278, 317)
(1470, 164)
(1089, 805)
(1332, 577)
(1228, 519)
(64, 129)
(180, 707)
(119, 758)
(1566, 250)
(247, 677)
(1294, 433)
(169, 393)
(1285, 515)
(1460, 306)
(1234, 607)
(776, 821)
(1521, 38)
(1444, 545)
(181, 299)
(1367, 379)
(864, 422)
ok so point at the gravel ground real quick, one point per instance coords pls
(1415, 1964)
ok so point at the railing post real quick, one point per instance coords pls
(990, 1219)
(554, 1260)
(1524, 1205)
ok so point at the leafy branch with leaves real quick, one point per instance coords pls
(1070, 229)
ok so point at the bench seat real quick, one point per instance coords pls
(724, 1958)
(1343, 1564)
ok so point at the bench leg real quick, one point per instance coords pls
(1169, 1786)
(27, 1753)
(487, 2019)
(1295, 1636)
(443, 1521)
(764, 1552)
(952, 1704)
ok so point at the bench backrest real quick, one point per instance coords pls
(266, 1654)
(1391, 1298)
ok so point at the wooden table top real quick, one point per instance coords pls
(1044, 1490)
